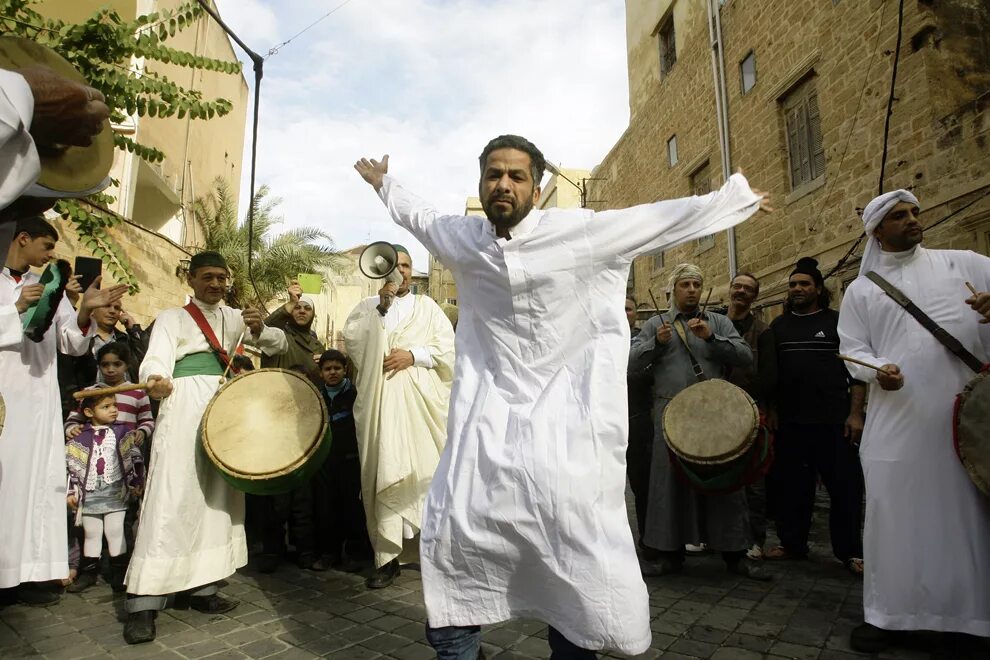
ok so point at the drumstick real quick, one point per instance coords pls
(103, 391)
(861, 363)
(972, 289)
(702, 313)
(655, 305)
(230, 362)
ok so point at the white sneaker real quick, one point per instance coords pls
(690, 547)
(755, 553)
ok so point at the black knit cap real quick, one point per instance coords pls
(208, 258)
(809, 266)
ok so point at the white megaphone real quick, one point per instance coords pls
(380, 261)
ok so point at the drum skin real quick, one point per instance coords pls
(972, 430)
(267, 431)
(710, 423)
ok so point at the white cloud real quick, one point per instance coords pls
(430, 82)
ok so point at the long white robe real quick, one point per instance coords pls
(32, 444)
(526, 516)
(401, 421)
(927, 533)
(192, 521)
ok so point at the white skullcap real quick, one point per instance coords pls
(873, 214)
(308, 299)
(684, 272)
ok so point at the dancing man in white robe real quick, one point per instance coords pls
(526, 516)
(32, 443)
(927, 532)
(192, 521)
(402, 346)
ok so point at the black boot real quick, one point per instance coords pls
(89, 568)
(212, 604)
(36, 594)
(140, 627)
(384, 576)
(118, 571)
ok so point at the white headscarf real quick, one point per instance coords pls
(874, 212)
(308, 299)
(684, 272)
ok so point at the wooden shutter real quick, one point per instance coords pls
(793, 145)
(816, 145)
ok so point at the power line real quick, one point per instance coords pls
(274, 49)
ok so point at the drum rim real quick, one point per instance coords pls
(727, 457)
(977, 471)
(282, 472)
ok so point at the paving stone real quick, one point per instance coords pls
(413, 652)
(242, 637)
(327, 644)
(707, 634)
(355, 653)
(263, 648)
(748, 642)
(795, 651)
(693, 648)
(729, 653)
(202, 649)
(385, 643)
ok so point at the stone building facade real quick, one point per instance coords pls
(807, 92)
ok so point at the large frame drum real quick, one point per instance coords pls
(712, 429)
(971, 430)
(267, 431)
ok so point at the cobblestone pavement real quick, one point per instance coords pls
(806, 612)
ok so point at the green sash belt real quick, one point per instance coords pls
(197, 364)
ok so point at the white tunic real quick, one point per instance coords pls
(32, 444)
(526, 514)
(927, 534)
(192, 521)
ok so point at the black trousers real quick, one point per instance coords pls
(337, 505)
(804, 452)
(638, 453)
(295, 509)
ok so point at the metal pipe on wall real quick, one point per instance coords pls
(721, 112)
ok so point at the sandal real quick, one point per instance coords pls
(779, 552)
(855, 566)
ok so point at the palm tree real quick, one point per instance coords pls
(277, 258)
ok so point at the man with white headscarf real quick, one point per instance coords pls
(677, 514)
(927, 533)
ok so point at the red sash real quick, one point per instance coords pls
(197, 315)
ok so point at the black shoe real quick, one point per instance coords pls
(662, 566)
(306, 561)
(36, 594)
(384, 576)
(867, 638)
(749, 569)
(89, 568)
(267, 563)
(118, 571)
(140, 627)
(213, 604)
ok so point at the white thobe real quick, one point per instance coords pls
(927, 534)
(192, 520)
(526, 516)
(32, 444)
(400, 310)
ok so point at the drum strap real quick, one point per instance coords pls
(699, 373)
(926, 321)
(197, 315)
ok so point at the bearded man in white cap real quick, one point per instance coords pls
(927, 533)
(669, 346)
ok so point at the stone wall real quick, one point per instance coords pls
(938, 139)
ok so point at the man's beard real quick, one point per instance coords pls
(506, 219)
(806, 303)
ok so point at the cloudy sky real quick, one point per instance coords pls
(429, 82)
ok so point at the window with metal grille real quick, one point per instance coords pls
(803, 123)
(701, 184)
(668, 46)
(658, 261)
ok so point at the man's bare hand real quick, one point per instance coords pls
(854, 428)
(980, 302)
(159, 387)
(73, 290)
(699, 328)
(295, 292)
(373, 170)
(665, 332)
(386, 295)
(125, 320)
(95, 297)
(764, 197)
(397, 360)
(73, 432)
(30, 294)
(65, 112)
(890, 378)
(253, 320)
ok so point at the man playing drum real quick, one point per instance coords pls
(192, 521)
(402, 346)
(927, 533)
(526, 515)
(671, 343)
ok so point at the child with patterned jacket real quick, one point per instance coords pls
(106, 470)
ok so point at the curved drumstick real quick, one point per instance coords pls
(103, 391)
(861, 363)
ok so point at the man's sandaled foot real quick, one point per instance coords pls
(779, 552)
(855, 566)
(212, 604)
(867, 638)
